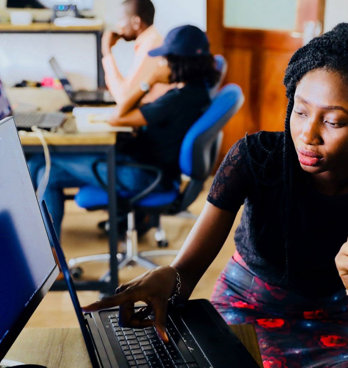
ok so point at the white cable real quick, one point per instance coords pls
(44, 180)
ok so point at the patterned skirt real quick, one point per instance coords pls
(293, 331)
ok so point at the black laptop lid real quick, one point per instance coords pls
(27, 266)
(61, 76)
(70, 284)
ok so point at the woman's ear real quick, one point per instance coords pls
(135, 22)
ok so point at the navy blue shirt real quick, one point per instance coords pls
(168, 119)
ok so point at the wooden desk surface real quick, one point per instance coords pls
(47, 27)
(65, 348)
(247, 335)
(71, 139)
(51, 347)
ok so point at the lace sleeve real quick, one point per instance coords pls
(229, 188)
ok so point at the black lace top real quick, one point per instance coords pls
(252, 173)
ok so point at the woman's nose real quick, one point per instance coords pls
(310, 133)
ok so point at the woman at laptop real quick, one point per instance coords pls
(294, 187)
(160, 125)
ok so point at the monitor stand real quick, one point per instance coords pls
(6, 363)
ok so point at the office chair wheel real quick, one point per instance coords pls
(162, 243)
(76, 272)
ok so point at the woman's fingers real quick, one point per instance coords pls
(160, 311)
(342, 264)
(108, 302)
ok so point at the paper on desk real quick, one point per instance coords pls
(95, 119)
(69, 21)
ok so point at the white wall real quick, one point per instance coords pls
(25, 56)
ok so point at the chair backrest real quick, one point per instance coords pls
(200, 147)
(221, 66)
(195, 157)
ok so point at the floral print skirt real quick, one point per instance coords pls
(293, 331)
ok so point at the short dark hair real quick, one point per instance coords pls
(143, 9)
(193, 69)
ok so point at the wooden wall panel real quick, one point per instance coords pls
(239, 68)
(273, 99)
(257, 61)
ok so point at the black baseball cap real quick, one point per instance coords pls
(183, 41)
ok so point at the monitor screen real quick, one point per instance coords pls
(49, 4)
(27, 265)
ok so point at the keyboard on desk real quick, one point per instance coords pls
(41, 120)
(143, 348)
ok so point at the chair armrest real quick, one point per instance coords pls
(149, 168)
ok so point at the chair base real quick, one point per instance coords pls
(131, 256)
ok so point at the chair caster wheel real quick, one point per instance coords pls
(76, 272)
(162, 243)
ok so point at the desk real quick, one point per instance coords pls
(51, 347)
(87, 143)
(68, 141)
(64, 347)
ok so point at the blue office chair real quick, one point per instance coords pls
(198, 155)
(221, 66)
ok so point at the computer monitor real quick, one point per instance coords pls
(49, 4)
(27, 265)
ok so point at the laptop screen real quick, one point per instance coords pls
(61, 76)
(27, 266)
(5, 107)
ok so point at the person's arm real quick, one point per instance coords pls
(155, 287)
(202, 245)
(342, 264)
(128, 90)
(113, 76)
(151, 73)
(133, 118)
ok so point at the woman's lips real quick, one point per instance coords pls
(308, 158)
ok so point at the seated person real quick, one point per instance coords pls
(135, 23)
(294, 187)
(161, 125)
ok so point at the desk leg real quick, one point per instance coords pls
(112, 208)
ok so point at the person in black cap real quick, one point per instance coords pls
(160, 125)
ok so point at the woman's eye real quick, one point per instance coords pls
(335, 124)
(300, 113)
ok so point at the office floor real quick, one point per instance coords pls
(80, 236)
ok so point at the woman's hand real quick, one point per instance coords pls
(153, 288)
(341, 260)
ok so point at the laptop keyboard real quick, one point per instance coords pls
(143, 348)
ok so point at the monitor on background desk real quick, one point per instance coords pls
(48, 4)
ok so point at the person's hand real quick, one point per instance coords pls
(109, 39)
(341, 260)
(153, 288)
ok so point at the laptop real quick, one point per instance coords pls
(198, 335)
(96, 97)
(26, 120)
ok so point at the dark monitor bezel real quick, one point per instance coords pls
(29, 309)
